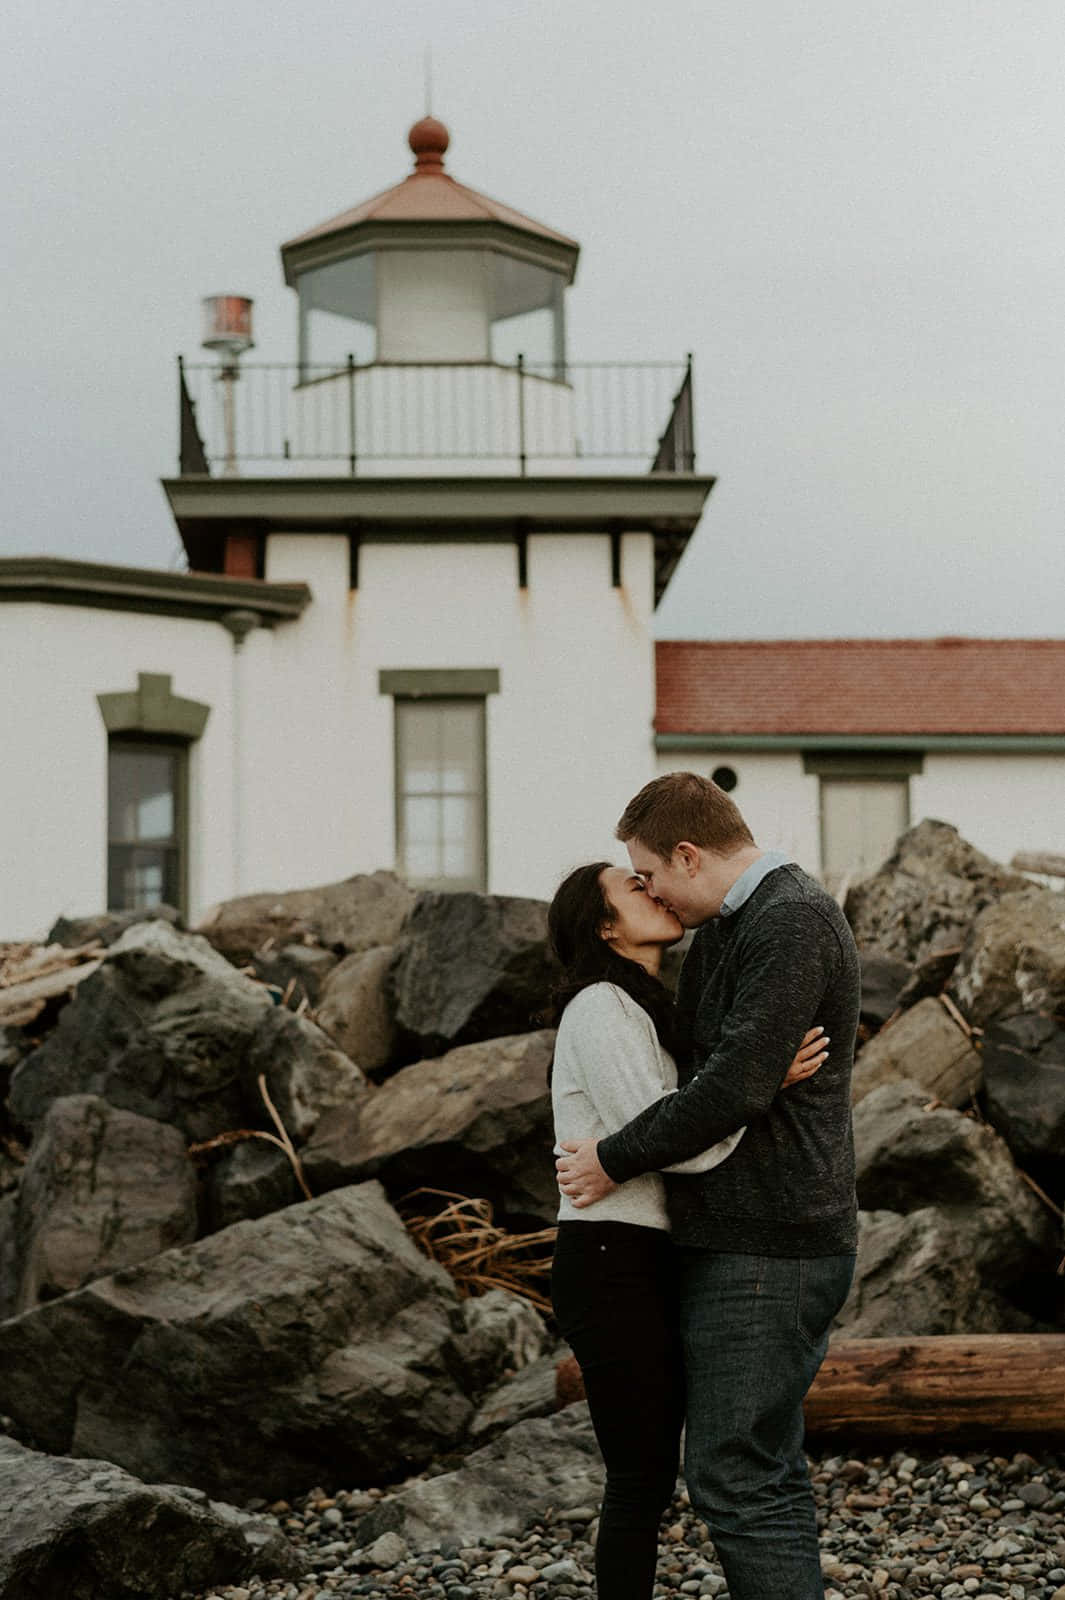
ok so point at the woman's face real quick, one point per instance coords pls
(639, 920)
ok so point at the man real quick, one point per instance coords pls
(765, 1241)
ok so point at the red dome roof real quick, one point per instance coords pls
(431, 195)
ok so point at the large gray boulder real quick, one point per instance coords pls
(916, 1275)
(1024, 1092)
(925, 896)
(102, 1189)
(1014, 958)
(959, 1231)
(354, 1008)
(84, 1530)
(924, 1046)
(908, 1156)
(476, 1121)
(539, 1465)
(468, 967)
(313, 1346)
(168, 1029)
(356, 914)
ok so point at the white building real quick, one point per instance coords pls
(416, 628)
(417, 625)
(834, 746)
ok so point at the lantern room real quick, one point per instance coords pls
(430, 271)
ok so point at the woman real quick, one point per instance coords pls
(612, 1279)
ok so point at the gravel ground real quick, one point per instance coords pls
(904, 1527)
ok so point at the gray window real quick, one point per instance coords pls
(440, 792)
(146, 830)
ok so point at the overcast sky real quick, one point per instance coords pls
(851, 213)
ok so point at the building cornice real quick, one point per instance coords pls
(950, 743)
(444, 507)
(55, 580)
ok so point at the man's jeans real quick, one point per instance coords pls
(755, 1331)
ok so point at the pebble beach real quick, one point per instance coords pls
(909, 1526)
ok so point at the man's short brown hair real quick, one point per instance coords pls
(682, 805)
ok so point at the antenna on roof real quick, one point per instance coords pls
(428, 80)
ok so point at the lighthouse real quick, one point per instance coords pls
(483, 522)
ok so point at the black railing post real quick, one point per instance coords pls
(351, 413)
(192, 457)
(691, 415)
(521, 414)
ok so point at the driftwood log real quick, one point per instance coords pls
(1042, 861)
(955, 1386)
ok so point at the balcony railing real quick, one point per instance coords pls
(422, 418)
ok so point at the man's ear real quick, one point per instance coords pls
(688, 857)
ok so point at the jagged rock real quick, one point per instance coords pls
(499, 1489)
(883, 980)
(468, 967)
(167, 1028)
(355, 914)
(250, 1180)
(924, 897)
(1014, 957)
(504, 1334)
(1024, 1091)
(923, 1046)
(916, 1275)
(102, 1189)
(83, 1530)
(296, 970)
(929, 977)
(532, 1392)
(313, 1346)
(476, 1121)
(354, 1008)
(907, 1158)
(107, 926)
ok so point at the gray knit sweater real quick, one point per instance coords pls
(750, 987)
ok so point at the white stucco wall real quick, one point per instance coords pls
(999, 801)
(568, 735)
(54, 661)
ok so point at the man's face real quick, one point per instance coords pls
(673, 882)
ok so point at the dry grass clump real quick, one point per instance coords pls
(463, 1238)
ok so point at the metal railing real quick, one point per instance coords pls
(411, 416)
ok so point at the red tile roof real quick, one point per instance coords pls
(861, 686)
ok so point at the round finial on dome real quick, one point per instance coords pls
(429, 139)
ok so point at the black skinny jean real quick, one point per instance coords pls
(613, 1285)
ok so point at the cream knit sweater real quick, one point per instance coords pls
(609, 1065)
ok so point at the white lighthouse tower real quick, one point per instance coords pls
(484, 526)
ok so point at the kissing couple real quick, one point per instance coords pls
(707, 1232)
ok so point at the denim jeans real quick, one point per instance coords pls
(755, 1331)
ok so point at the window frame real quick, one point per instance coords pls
(477, 884)
(180, 749)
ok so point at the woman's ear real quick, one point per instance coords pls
(607, 932)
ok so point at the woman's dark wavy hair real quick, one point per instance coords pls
(574, 922)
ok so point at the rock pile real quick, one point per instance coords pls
(178, 1307)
